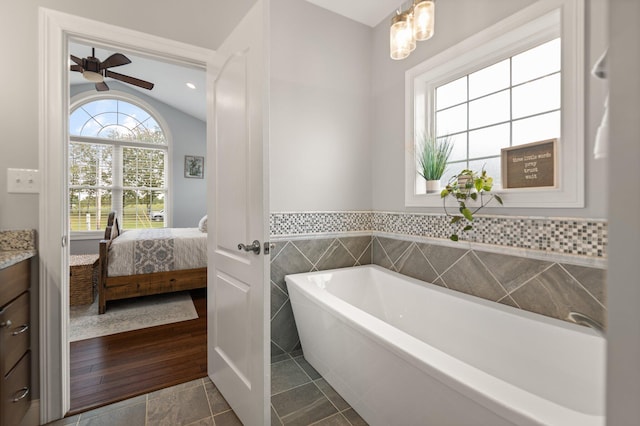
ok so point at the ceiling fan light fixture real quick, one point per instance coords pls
(95, 70)
(423, 19)
(92, 76)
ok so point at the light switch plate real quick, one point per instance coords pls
(23, 181)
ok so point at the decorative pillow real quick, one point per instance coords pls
(202, 225)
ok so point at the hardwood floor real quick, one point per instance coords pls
(112, 368)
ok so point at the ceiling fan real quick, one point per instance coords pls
(95, 71)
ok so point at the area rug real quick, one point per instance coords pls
(129, 314)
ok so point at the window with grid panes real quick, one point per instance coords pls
(513, 102)
(117, 161)
(516, 82)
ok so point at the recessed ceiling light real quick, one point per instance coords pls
(191, 85)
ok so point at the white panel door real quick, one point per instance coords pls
(238, 280)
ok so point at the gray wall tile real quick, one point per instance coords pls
(337, 256)
(512, 271)
(367, 256)
(413, 264)
(278, 298)
(555, 293)
(380, 256)
(356, 245)
(277, 246)
(313, 249)
(283, 328)
(441, 257)
(469, 275)
(289, 261)
(393, 248)
(507, 300)
(594, 280)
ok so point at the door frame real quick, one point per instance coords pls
(55, 30)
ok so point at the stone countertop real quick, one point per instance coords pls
(11, 257)
(16, 246)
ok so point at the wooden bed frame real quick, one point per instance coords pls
(115, 288)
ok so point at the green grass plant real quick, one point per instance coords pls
(433, 154)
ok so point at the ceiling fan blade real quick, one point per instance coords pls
(102, 87)
(131, 80)
(115, 60)
(77, 68)
(76, 60)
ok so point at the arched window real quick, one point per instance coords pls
(117, 161)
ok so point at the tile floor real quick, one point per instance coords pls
(299, 396)
(195, 403)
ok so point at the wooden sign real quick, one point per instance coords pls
(529, 166)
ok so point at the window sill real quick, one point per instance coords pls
(528, 198)
(86, 235)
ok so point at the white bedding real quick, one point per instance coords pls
(144, 251)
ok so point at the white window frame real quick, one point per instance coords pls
(84, 98)
(525, 29)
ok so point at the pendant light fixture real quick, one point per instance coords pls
(401, 36)
(423, 19)
(415, 23)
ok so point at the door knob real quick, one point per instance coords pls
(254, 247)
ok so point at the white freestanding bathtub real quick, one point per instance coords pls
(404, 352)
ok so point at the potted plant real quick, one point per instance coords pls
(433, 154)
(465, 187)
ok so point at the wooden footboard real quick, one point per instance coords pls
(123, 287)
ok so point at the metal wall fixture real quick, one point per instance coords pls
(407, 27)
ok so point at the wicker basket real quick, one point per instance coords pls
(83, 279)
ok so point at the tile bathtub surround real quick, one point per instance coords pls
(306, 255)
(573, 236)
(544, 287)
(529, 263)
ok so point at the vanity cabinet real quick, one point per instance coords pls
(15, 356)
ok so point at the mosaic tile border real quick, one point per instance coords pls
(305, 223)
(574, 236)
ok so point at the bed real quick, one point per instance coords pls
(143, 262)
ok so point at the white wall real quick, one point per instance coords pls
(320, 110)
(623, 296)
(196, 22)
(455, 21)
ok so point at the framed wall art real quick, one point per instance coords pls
(193, 167)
